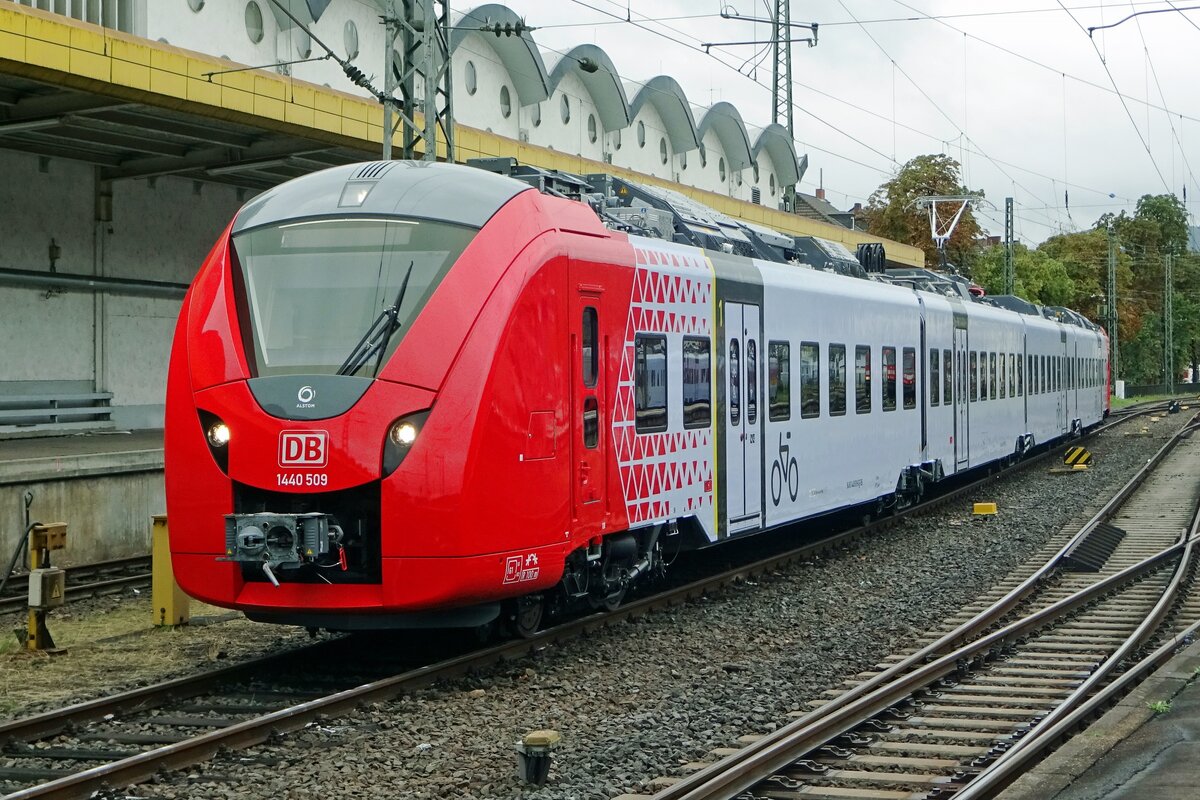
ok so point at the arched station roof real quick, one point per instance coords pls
(776, 140)
(536, 78)
(592, 65)
(723, 118)
(666, 96)
(519, 54)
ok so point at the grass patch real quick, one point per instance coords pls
(111, 643)
(1119, 402)
(1159, 706)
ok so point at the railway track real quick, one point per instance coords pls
(121, 740)
(84, 580)
(1008, 679)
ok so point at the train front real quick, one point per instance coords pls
(306, 369)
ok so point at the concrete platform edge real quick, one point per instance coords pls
(1086, 749)
(84, 465)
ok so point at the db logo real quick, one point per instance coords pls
(303, 448)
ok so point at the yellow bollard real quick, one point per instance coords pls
(171, 605)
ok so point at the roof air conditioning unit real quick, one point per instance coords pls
(523, 134)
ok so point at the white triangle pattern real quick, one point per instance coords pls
(670, 474)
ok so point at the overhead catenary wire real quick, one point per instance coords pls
(936, 106)
(1163, 97)
(1124, 105)
(645, 22)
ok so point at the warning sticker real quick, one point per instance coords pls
(519, 569)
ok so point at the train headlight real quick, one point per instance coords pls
(403, 434)
(218, 434)
(401, 437)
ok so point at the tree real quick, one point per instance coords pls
(1038, 277)
(891, 212)
(1158, 228)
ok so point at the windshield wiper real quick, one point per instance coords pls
(375, 340)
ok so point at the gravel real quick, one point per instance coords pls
(641, 699)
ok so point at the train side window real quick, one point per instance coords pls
(751, 381)
(992, 376)
(974, 375)
(947, 378)
(935, 377)
(697, 382)
(1002, 375)
(779, 381)
(1029, 371)
(735, 396)
(810, 380)
(1020, 374)
(1012, 374)
(862, 379)
(837, 380)
(590, 354)
(983, 377)
(909, 356)
(591, 422)
(650, 383)
(1042, 375)
(889, 379)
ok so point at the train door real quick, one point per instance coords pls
(743, 449)
(1061, 378)
(962, 455)
(1073, 383)
(589, 416)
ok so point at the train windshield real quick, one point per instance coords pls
(311, 292)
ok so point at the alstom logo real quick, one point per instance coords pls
(303, 448)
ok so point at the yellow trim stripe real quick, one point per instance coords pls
(64, 52)
(717, 419)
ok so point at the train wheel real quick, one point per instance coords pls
(527, 615)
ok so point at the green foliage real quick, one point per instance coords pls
(1159, 706)
(1038, 277)
(890, 211)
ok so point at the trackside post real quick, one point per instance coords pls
(171, 605)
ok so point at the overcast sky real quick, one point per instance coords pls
(1014, 89)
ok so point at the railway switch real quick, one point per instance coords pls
(534, 755)
(47, 584)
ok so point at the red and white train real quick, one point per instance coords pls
(411, 394)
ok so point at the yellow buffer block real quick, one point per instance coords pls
(984, 509)
(171, 605)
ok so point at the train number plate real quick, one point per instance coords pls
(301, 479)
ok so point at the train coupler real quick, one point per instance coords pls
(280, 541)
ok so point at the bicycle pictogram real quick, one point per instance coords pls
(784, 469)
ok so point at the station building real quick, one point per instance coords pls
(131, 131)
